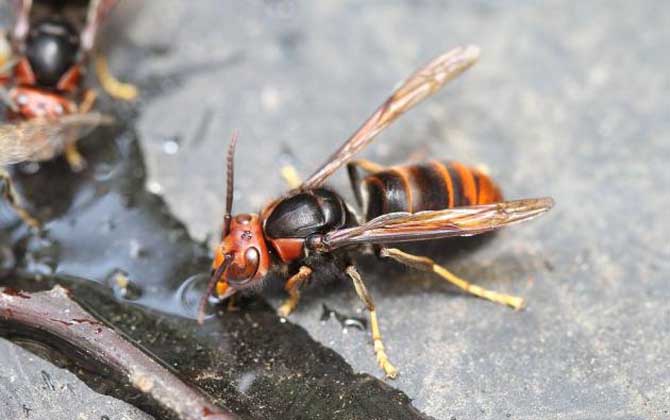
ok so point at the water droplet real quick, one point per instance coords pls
(190, 292)
(29, 168)
(136, 249)
(345, 321)
(154, 187)
(41, 255)
(122, 286)
(170, 147)
(103, 171)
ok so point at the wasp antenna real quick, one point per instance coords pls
(213, 280)
(230, 178)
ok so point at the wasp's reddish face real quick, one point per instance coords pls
(242, 257)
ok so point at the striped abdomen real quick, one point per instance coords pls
(429, 186)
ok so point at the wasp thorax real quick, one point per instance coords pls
(51, 49)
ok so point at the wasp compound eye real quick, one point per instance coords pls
(239, 275)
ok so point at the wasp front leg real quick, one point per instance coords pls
(380, 352)
(15, 201)
(427, 264)
(114, 88)
(292, 287)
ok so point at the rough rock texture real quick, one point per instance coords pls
(33, 388)
(570, 99)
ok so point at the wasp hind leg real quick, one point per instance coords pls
(15, 201)
(72, 155)
(74, 158)
(427, 264)
(114, 88)
(382, 359)
(290, 175)
(292, 287)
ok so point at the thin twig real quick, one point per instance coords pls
(55, 313)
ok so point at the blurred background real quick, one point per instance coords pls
(570, 99)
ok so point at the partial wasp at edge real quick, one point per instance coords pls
(37, 140)
(42, 62)
(312, 225)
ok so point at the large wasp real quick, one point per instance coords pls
(42, 62)
(312, 225)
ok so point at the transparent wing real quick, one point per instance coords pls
(97, 12)
(21, 22)
(42, 139)
(459, 221)
(419, 86)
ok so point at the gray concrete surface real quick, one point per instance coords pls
(570, 99)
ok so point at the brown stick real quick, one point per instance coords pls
(54, 312)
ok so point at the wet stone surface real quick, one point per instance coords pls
(570, 99)
(108, 231)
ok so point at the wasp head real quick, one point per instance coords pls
(242, 258)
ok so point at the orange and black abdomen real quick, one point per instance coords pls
(428, 186)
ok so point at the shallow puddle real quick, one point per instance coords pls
(128, 260)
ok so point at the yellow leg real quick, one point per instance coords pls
(74, 158)
(15, 201)
(88, 101)
(290, 175)
(382, 359)
(292, 288)
(110, 84)
(427, 264)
